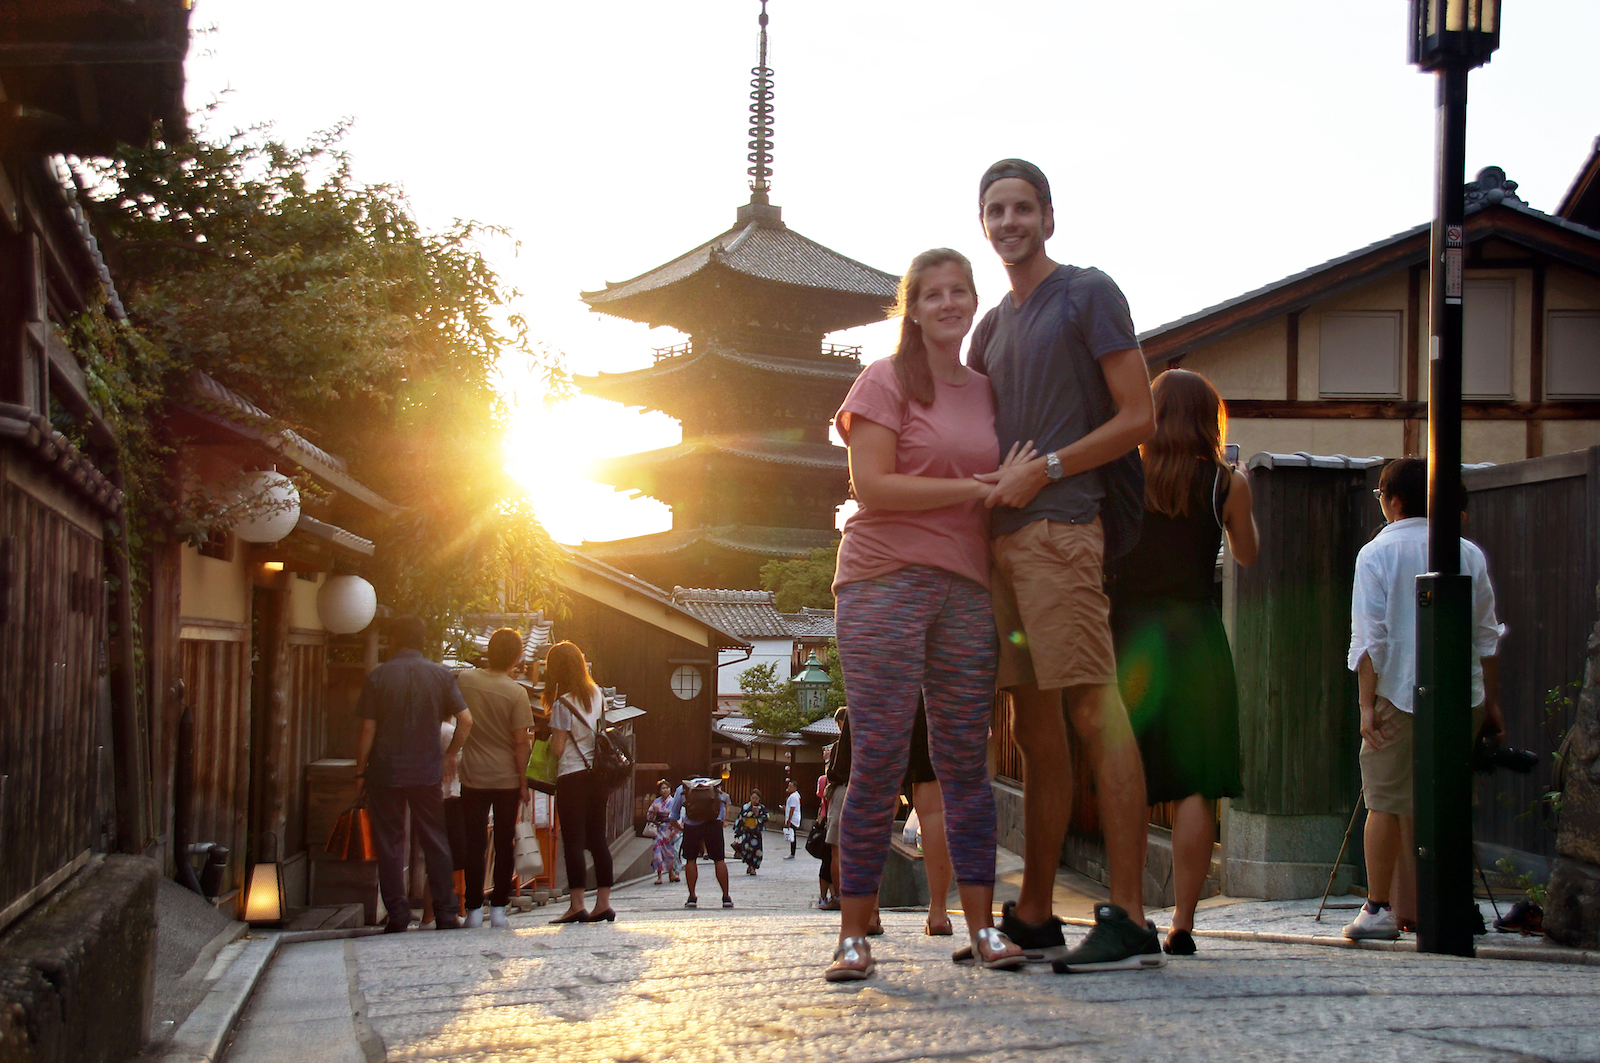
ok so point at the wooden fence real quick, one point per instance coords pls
(1538, 522)
(53, 806)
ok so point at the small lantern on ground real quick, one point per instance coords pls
(263, 903)
(813, 683)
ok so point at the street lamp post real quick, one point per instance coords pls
(1449, 38)
(813, 683)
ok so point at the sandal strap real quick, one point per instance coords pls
(853, 951)
(989, 942)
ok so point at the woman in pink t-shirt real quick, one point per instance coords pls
(912, 591)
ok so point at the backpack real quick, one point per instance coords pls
(701, 801)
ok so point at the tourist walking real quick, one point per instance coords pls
(577, 710)
(1174, 665)
(664, 853)
(703, 807)
(494, 761)
(748, 830)
(1061, 354)
(913, 574)
(791, 817)
(399, 767)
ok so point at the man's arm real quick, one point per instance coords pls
(1493, 720)
(521, 748)
(369, 730)
(1367, 694)
(1134, 422)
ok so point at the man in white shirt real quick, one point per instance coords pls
(791, 818)
(1383, 654)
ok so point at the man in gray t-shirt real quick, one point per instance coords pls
(1068, 376)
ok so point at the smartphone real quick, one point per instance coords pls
(1230, 453)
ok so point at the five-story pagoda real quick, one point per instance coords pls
(755, 388)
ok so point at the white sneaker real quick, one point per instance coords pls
(1373, 926)
(497, 917)
(474, 919)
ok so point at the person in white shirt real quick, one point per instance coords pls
(791, 818)
(1383, 654)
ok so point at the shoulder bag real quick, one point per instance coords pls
(611, 764)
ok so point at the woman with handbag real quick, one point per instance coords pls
(664, 854)
(576, 719)
(747, 830)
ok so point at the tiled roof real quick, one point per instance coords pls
(740, 538)
(773, 254)
(703, 361)
(589, 559)
(749, 614)
(536, 631)
(810, 623)
(738, 729)
(784, 452)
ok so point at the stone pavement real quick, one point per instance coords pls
(664, 983)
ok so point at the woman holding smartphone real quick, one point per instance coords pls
(1174, 665)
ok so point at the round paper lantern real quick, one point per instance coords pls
(269, 507)
(346, 604)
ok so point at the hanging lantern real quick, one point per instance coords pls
(269, 507)
(346, 604)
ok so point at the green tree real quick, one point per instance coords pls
(773, 705)
(325, 302)
(804, 582)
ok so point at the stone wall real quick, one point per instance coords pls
(1572, 902)
(77, 972)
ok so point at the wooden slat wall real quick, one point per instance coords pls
(308, 742)
(1539, 537)
(216, 688)
(1297, 715)
(52, 634)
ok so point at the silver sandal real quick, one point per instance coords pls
(988, 942)
(850, 953)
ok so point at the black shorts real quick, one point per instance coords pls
(703, 841)
(455, 829)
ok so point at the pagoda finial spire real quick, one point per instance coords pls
(761, 120)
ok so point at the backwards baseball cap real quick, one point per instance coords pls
(1015, 168)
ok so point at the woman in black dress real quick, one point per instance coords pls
(1174, 665)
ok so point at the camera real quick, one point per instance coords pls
(1488, 754)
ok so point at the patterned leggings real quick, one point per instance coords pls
(917, 628)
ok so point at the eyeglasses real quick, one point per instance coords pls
(1377, 492)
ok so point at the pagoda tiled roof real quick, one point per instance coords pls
(689, 367)
(739, 538)
(790, 453)
(763, 252)
(748, 614)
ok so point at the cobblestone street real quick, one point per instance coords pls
(663, 983)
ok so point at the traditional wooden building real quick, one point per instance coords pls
(754, 387)
(1334, 360)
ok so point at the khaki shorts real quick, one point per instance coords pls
(1050, 606)
(836, 796)
(1386, 773)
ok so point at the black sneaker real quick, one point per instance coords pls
(1114, 943)
(1038, 941)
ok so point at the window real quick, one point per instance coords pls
(1572, 355)
(1487, 320)
(1360, 354)
(686, 682)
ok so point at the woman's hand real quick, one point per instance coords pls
(1019, 454)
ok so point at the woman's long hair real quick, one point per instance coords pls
(1191, 423)
(910, 357)
(566, 672)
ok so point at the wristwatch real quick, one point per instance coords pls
(1052, 466)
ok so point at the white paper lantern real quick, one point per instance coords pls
(269, 506)
(346, 604)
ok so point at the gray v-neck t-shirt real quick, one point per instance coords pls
(1043, 361)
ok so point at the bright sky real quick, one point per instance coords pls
(1196, 151)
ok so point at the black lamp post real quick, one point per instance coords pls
(1449, 38)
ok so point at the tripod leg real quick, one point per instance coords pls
(1354, 812)
(1485, 880)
